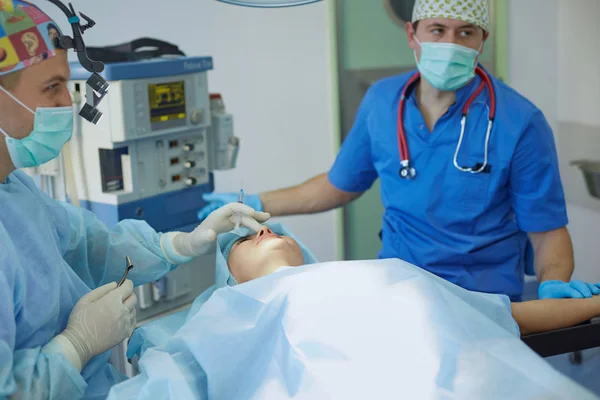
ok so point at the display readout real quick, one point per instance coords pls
(167, 101)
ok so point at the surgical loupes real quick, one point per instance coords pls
(96, 85)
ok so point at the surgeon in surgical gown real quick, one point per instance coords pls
(60, 310)
(273, 328)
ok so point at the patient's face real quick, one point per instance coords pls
(261, 254)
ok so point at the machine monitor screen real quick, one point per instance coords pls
(167, 101)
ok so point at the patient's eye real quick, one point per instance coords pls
(242, 240)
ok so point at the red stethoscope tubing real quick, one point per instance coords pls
(402, 143)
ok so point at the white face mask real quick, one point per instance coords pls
(52, 128)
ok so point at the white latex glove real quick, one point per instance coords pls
(180, 247)
(99, 321)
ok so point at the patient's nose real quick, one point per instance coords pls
(263, 231)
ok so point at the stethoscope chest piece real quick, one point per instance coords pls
(407, 172)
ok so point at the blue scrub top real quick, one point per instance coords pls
(467, 228)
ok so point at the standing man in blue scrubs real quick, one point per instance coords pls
(60, 308)
(478, 230)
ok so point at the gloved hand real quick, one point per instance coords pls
(99, 321)
(218, 200)
(563, 290)
(180, 247)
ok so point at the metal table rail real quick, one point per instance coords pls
(568, 340)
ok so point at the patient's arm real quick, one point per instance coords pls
(550, 314)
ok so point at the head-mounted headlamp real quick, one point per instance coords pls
(96, 86)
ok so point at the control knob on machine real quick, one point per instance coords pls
(197, 116)
(188, 147)
(190, 181)
(189, 164)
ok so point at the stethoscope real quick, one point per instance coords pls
(409, 172)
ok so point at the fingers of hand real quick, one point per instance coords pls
(261, 216)
(563, 291)
(233, 208)
(582, 288)
(251, 223)
(207, 210)
(125, 290)
(130, 302)
(210, 235)
(98, 293)
(568, 292)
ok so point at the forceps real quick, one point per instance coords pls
(127, 269)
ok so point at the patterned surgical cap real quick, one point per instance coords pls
(26, 36)
(472, 11)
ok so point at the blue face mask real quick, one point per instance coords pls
(52, 128)
(446, 66)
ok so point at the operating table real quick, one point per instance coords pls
(569, 340)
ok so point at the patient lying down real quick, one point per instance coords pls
(279, 325)
(260, 254)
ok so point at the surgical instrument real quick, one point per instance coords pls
(128, 268)
(238, 216)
